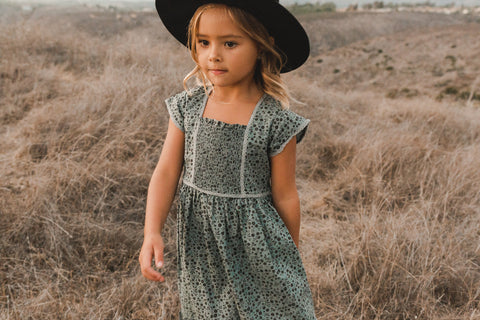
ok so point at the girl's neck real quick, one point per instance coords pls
(229, 95)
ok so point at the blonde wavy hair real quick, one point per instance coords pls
(271, 60)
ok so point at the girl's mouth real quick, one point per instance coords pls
(218, 71)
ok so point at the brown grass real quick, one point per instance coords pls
(390, 183)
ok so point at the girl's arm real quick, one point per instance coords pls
(161, 192)
(284, 189)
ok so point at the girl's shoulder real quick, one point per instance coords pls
(182, 104)
(280, 125)
(272, 110)
(188, 97)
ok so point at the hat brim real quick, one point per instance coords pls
(289, 35)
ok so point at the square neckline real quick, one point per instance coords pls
(204, 105)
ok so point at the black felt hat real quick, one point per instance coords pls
(289, 35)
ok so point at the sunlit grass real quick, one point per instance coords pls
(390, 185)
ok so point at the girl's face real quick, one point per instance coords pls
(225, 54)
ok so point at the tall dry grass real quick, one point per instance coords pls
(390, 188)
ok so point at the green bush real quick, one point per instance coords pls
(312, 7)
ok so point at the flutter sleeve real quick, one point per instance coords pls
(176, 109)
(286, 125)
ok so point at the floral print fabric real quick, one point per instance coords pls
(236, 258)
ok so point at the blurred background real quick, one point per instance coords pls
(388, 173)
(338, 3)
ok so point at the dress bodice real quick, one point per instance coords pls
(232, 160)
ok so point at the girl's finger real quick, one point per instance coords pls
(148, 272)
(146, 266)
(158, 250)
(153, 275)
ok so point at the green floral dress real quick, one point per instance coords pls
(236, 258)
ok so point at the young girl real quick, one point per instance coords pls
(238, 216)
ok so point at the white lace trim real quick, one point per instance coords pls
(194, 155)
(245, 144)
(195, 133)
(227, 195)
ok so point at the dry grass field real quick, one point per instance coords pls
(388, 174)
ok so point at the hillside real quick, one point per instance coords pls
(387, 173)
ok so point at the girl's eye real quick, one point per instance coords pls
(203, 43)
(230, 44)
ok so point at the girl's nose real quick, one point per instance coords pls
(214, 54)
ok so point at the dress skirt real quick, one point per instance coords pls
(237, 260)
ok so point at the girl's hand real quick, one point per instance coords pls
(152, 247)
